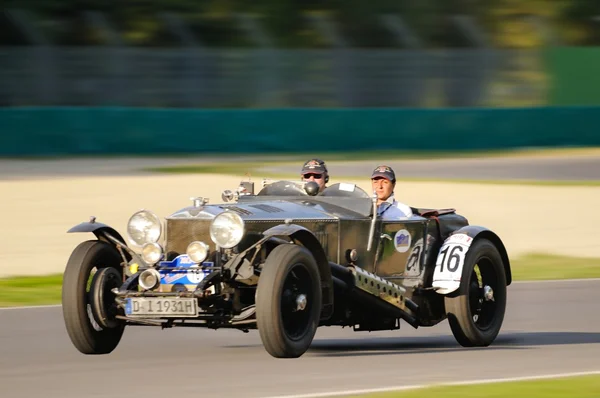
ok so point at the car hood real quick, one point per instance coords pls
(308, 208)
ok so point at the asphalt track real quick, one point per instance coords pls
(550, 328)
(551, 167)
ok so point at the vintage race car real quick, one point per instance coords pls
(285, 261)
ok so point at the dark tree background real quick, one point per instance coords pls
(507, 23)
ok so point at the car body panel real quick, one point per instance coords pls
(397, 243)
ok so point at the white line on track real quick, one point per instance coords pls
(514, 282)
(419, 386)
(556, 281)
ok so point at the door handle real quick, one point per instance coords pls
(386, 236)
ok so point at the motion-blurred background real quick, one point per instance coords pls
(355, 82)
(309, 53)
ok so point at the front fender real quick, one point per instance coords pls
(284, 230)
(472, 233)
(103, 232)
(310, 241)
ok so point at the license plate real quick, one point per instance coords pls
(161, 307)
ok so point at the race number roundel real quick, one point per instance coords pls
(402, 241)
(450, 262)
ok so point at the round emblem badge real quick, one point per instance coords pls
(402, 241)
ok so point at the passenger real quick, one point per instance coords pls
(383, 181)
(315, 170)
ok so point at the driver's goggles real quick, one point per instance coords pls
(316, 176)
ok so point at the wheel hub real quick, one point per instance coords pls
(102, 301)
(301, 302)
(488, 293)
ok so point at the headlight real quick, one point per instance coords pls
(197, 251)
(151, 253)
(227, 229)
(144, 227)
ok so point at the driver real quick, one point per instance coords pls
(383, 181)
(315, 170)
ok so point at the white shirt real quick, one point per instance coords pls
(392, 209)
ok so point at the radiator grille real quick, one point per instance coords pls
(181, 232)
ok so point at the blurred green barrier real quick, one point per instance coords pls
(574, 77)
(81, 131)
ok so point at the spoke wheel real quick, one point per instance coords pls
(476, 311)
(288, 301)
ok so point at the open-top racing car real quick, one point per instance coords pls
(285, 261)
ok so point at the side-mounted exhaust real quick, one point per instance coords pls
(376, 290)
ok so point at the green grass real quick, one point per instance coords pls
(546, 267)
(568, 387)
(30, 290)
(42, 290)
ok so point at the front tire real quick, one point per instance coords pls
(288, 301)
(474, 320)
(90, 273)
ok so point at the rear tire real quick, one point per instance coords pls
(79, 285)
(475, 321)
(289, 275)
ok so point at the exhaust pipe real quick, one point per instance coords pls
(375, 291)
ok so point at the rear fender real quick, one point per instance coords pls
(307, 239)
(451, 257)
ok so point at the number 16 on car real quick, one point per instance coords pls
(450, 261)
